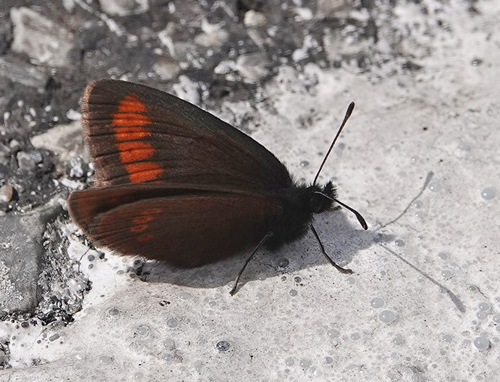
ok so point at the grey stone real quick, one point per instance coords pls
(213, 35)
(21, 258)
(253, 66)
(6, 193)
(43, 40)
(124, 7)
(36, 157)
(5, 36)
(331, 8)
(18, 71)
(64, 140)
(166, 68)
(24, 161)
(254, 19)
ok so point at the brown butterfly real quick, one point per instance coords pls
(176, 184)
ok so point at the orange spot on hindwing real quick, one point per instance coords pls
(141, 224)
(143, 219)
(138, 228)
(145, 237)
(129, 126)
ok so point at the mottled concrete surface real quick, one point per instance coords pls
(419, 159)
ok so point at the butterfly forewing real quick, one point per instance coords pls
(137, 134)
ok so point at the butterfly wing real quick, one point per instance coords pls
(182, 226)
(138, 134)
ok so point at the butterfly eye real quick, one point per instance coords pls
(318, 203)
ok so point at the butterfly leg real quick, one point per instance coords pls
(339, 268)
(236, 281)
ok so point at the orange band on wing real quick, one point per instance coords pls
(138, 133)
(138, 228)
(130, 119)
(131, 104)
(134, 151)
(143, 219)
(145, 237)
(143, 171)
(141, 223)
(129, 127)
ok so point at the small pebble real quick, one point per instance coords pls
(398, 340)
(305, 363)
(418, 204)
(481, 343)
(377, 302)
(435, 186)
(482, 315)
(443, 255)
(172, 323)
(223, 346)
(6, 193)
(283, 263)
(54, 337)
(447, 274)
(387, 316)
(142, 330)
(484, 306)
(333, 333)
(447, 338)
(488, 193)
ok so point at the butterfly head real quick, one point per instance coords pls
(321, 198)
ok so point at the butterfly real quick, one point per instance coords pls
(176, 184)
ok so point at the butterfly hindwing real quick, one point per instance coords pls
(184, 227)
(138, 134)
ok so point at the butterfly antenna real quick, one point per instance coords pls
(361, 219)
(348, 113)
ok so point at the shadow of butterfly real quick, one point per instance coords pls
(176, 184)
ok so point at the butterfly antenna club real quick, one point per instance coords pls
(361, 219)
